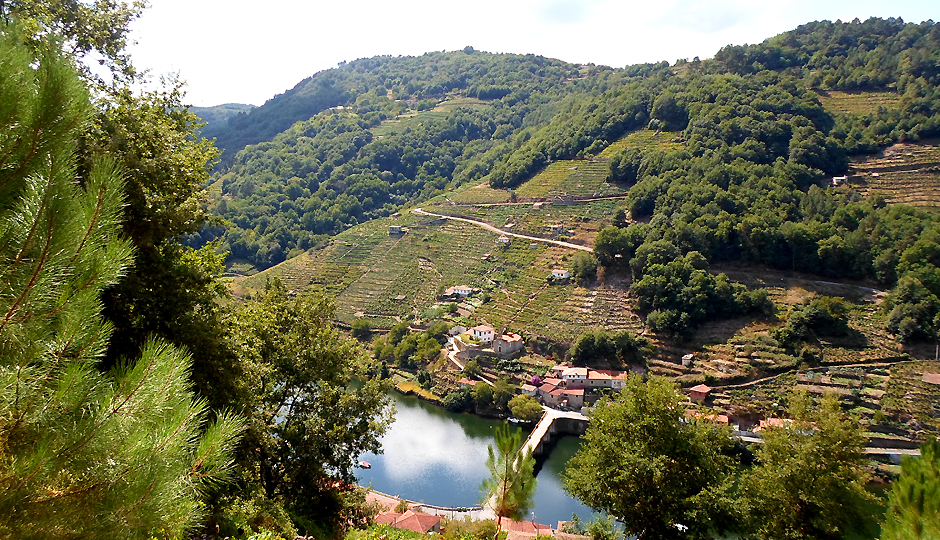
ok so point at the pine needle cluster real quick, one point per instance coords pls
(121, 454)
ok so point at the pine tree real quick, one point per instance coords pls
(123, 454)
(511, 485)
(914, 502)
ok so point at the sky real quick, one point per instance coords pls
(235, 51)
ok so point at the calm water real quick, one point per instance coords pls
(439, 458)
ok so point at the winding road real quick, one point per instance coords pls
(497, 230)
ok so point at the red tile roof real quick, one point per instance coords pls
(772, 422)
(701, 389)
(717, 418)
(529, 527)
(410, 520)
(932, 378)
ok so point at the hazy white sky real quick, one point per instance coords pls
(234, 51)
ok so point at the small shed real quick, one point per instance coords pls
(560, 273)
(529, 390)
(687, 359)
(395, 229)
(698, 394)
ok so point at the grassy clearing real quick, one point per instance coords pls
(857, 102)
(643, 138)
(570, 177)
(458, 102)
(396, 125)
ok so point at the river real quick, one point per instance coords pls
(438, 457)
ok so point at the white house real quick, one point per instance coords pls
(561, 273)
(502, 240)
(575, 376)
(483, 332)
(462, 290)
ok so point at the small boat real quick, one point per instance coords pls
(365, 464)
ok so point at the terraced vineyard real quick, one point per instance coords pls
(643, 138)
(525, 218)
(903, 173)
(857, 102)
(396, 125)
(478, 194)
(580, 178)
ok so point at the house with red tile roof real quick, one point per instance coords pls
(508, 344)
(721, 419)
(573, 398)
(698, 394)
(524, 530)
(575, 376)
(772, 423)
(411, 520)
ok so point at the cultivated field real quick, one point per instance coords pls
(643, 138)
(902, 173)
(857, 102)
(581, 178)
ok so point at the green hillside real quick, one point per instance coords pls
(666, 172)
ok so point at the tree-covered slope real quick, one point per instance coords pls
(372, 85)
(752, 138)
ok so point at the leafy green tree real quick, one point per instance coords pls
(584, 267)
(98, 29)
(642, 464)
(472, 368)
(914, 501)
(125, 454)
(483, 394)
(511, 486)
(525, 407)
(810, 482)
(361, 329)
(503, 392)
(307, 424)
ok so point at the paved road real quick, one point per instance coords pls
(505, 233)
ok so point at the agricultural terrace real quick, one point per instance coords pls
(524, 300)
(902, 173)
(475, 194)
(452, 103)
(579, 178)
(584, 218)
(409, 119)
(857, 102)
(643, 138)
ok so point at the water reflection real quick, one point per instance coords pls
(438, 457)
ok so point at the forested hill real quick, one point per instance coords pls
(755, 128)
(367, 85)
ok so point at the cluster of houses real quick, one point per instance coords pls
(504, 345)
(565, 386)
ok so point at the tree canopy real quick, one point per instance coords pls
(642, 464)
(125, 453)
